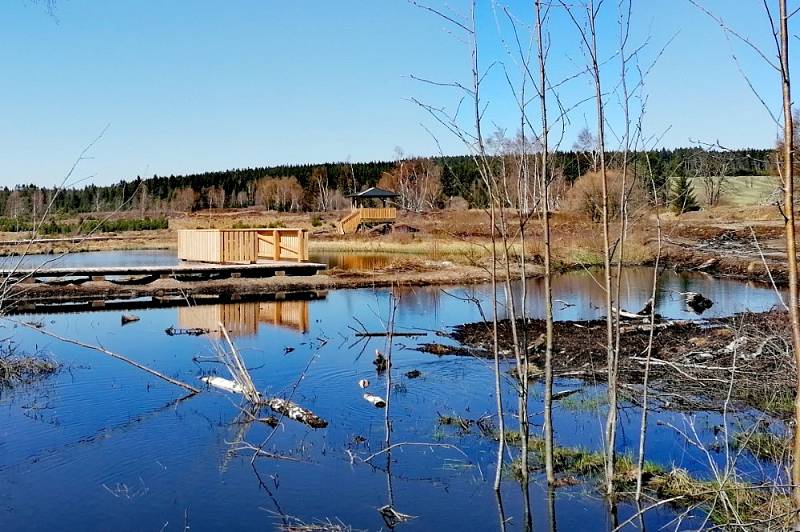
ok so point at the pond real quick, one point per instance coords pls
(104, 446)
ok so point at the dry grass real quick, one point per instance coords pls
(730, 502)
(16, 368)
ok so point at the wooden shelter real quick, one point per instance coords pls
(369, 207)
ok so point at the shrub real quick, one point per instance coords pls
(586, 195)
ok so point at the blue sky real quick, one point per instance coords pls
(204, 85)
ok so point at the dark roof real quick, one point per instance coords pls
(374, 192)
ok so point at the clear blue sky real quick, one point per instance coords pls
(208, 85)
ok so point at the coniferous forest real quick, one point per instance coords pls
(324, 186)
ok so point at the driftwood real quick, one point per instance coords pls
(367, 334)
(376, 401)
(223, 384)
(113, 355)
(697, 302)
(243, 384)
(646, 326)
(129, 318)
(195, 331)
(282, 406)
(629, 315)
(710, 263)
(563, 394)
(392, 517)
(296, 412)
(381, 364)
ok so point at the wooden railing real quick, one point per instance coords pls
(349, 224)
(382, 214)
(283, 244)
(242, 245)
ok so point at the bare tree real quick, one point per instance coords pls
(781, 36)
(586, 147)
(791, 244)
(548, 291)
(588, 32)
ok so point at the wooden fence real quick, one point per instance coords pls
(224, 246)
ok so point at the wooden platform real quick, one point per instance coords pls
(226, 246)
(196, 270)
(133, 303)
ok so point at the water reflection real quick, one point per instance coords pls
(243, 319)
(353, 261)
(93, 427)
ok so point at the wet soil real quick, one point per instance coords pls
(691, 365)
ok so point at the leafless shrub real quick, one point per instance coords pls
(18, 368)
(586, 195)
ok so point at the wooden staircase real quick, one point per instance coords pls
(365, 215)
(349, 224)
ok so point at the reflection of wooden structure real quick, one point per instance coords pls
(242, 245)
(364, 211)
(243, 319)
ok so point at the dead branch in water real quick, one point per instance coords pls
(109, 353)
(242, 383)
(367, 334)
(296, 412)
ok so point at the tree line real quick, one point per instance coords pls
(423, 182)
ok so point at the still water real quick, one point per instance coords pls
(104, 446)
(347, 261)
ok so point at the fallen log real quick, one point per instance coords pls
(195, 331)
(376, 401)
(564, 393)
(296, 412)
(129, 318)
(629, 315)
(282, 406)
(224, 384)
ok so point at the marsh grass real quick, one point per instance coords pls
(763, 444)
(727, 501)
(17, 368)
(582, 402)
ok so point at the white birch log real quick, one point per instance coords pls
(223, 384)
(296, 412)
(376, 401)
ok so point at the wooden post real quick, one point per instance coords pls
(276, 239)
(299, 245)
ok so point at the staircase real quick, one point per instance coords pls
(366, 215)
(349, 224)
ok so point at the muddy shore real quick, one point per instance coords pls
(692, 363)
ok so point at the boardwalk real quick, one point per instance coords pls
(145, 274)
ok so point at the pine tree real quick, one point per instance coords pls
(683, 199)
